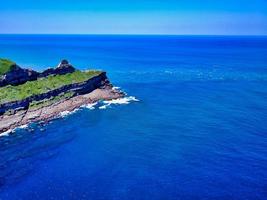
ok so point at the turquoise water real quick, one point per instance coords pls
(198, 130)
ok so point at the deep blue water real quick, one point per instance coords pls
(199, 130)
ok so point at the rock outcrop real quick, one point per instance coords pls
(18, 75)
(23, 117)
(48, 105)
(64, 67)
(77, 89)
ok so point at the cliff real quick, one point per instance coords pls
(12, 74)
(76, 89)
(27, 96)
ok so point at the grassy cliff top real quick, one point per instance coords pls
(13, 93)
(5, 66)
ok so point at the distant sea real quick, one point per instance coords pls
(198, 131)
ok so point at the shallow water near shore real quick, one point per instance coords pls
(198, 130)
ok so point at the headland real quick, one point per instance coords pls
(29, 96)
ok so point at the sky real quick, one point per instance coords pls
(171, 17)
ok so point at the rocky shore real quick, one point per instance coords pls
(45, 106)
(46, 113)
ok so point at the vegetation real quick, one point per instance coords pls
(50, 101)
(5, 66)
(43, 85)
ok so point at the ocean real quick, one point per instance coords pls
(193, 126)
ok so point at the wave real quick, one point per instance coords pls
(125, 100)
(116, 88)
(120, 101)
(66, 113)
(6, 133)
(103, 107)
(26, 126)
(90, 106)
(23, 126)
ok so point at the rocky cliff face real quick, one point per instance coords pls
(48, 105)
(77, 89)
(64, 67)
(52, 111)
(19, 75)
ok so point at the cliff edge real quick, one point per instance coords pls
(29, 96)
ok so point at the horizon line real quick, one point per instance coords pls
(129, 34)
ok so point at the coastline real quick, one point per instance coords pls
(50, 112)
(29, 96)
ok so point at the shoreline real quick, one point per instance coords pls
(50, 112)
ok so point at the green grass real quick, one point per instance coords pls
(5, 66)
(50, 101)
(14, 93)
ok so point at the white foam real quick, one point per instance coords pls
(6, 133)
(103, 107)
(90, 106)
(20, 127)
(115, 88)
(66, 113)
(23, 126)
(125, 100)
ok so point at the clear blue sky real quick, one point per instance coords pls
(213, 17)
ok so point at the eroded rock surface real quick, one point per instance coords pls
(49, 112)
(46, 106)
(18, 75)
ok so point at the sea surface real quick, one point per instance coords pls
(193, 126)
